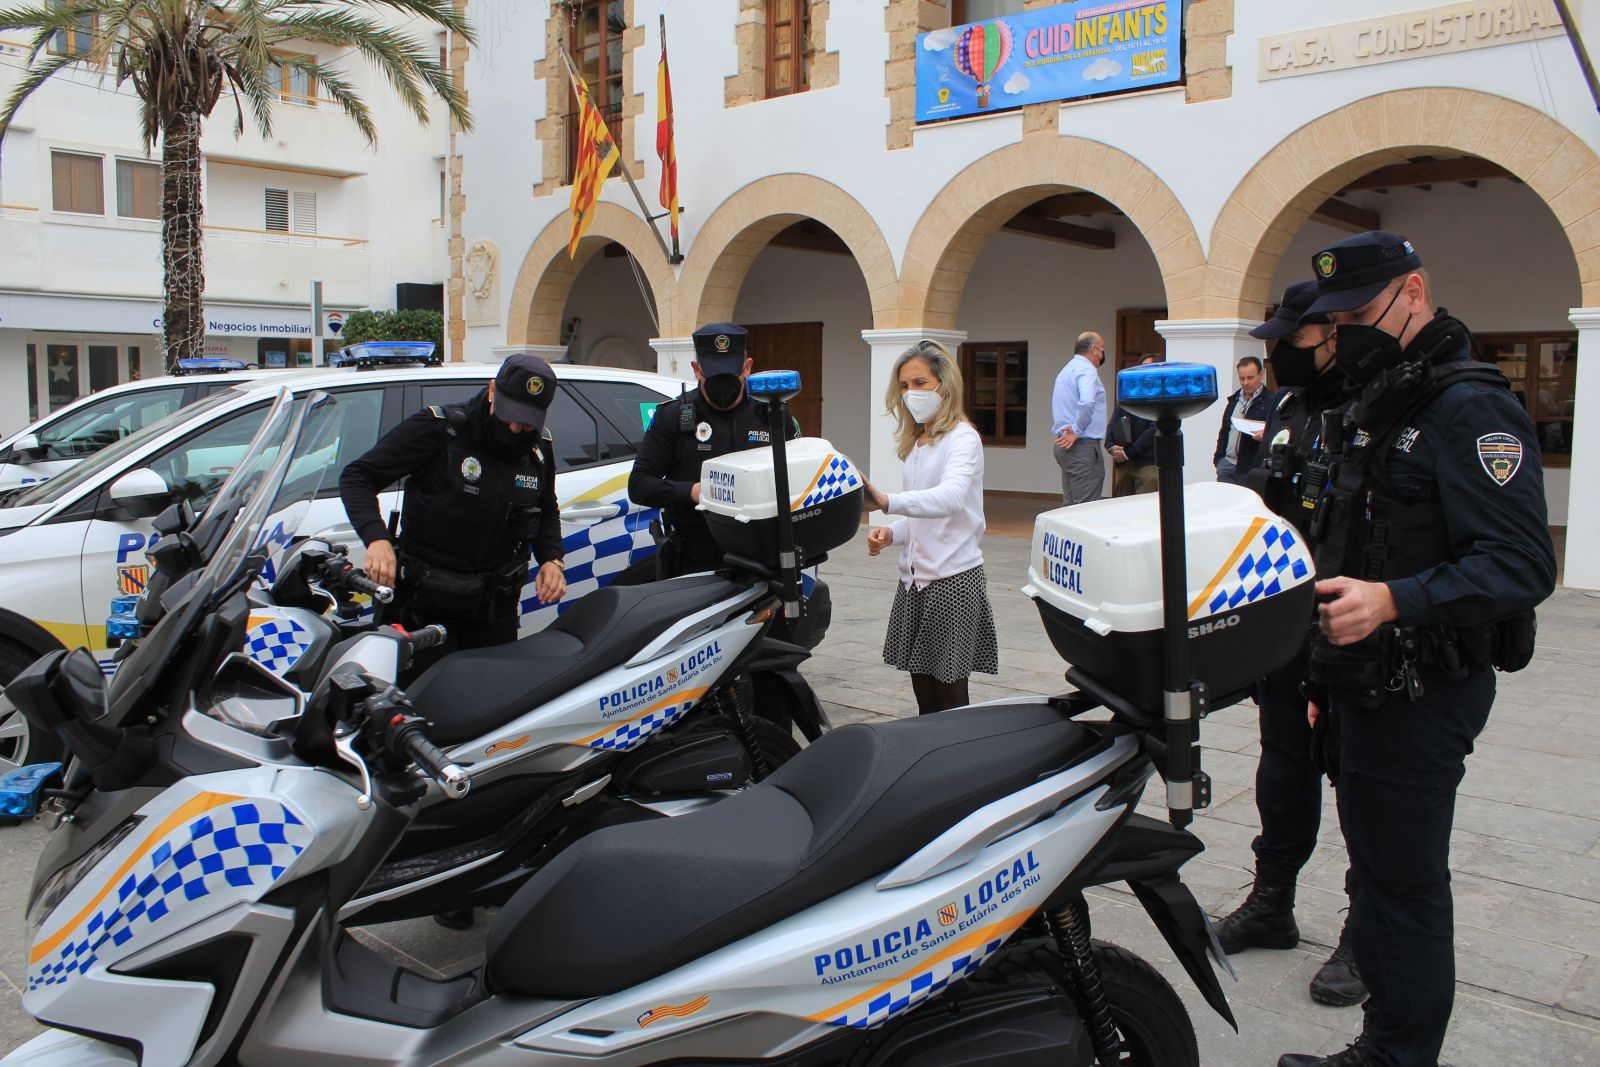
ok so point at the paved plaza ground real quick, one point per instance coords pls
(1526, 851)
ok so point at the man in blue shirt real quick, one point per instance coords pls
(1078, 420)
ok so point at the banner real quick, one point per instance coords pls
(1061, 52)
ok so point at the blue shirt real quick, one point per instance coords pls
(1079, 400)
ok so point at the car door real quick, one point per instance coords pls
(85, 430)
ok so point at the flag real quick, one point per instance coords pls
(666, 148)
(597, 154)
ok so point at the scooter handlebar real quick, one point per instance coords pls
(357, 582)
(414, 743)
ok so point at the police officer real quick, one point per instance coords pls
(481, 489)
(717, 418)
(1288, 780)
(1433, 549)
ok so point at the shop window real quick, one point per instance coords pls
(61, 370)
(102, 367)
(596, 47)
(278, 353)
(138, 189)
(996, 375)
(135, 370)
(75, 42)
(965, 11)
(293, 83)
(33, 384)
(1543, 368)
(78, 182)
(788, 46)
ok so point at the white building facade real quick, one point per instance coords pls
(80, 280)
(820, 214)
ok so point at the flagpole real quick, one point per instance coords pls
(677, 256)
(572, 72)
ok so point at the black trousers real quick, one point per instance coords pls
(1288, 783)
(1400, 765)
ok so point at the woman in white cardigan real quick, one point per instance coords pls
(942, 626)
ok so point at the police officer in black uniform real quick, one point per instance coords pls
(1432, 547)
(481, 490)
(717, 418)
(1288, 780)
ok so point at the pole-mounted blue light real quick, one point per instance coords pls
(20, 788)
(1157, 388)
(774, 383)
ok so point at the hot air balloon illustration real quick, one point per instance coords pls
(980, 53)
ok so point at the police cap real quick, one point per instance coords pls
(719, 348)
(1351, 273)
(1291, 313)
(523, 389)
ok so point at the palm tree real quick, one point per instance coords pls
(182, 56)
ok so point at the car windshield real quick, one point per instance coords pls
(59, 487)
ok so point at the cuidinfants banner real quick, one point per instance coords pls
(1060, 52)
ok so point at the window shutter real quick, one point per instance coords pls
(305, 211)
(277, 210)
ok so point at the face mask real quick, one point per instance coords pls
(722, 391)
(1364, 352)
(500, 431)
(1292, 365)
(922, 403)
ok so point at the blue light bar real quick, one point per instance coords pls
(123, 622)
(774, 383)
(20, 788)
(379, 353)
(1167, 383)
(209, 365)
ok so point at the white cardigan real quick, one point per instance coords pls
(943, 508)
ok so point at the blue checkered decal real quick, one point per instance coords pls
(838, 477)
(237, 845)
(1272, 559)
(594, 555)
(917, 988)
(277, 644)
(635, 732)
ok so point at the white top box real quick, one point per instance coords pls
(1101, 562)
(740, 485)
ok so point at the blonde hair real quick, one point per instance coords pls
(951, 414)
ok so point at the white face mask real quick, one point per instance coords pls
(922, 403)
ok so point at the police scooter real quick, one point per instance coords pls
(909, 892)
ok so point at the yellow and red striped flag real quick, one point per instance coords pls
(597, 154)
(666, 147)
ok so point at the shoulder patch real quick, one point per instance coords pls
(545, 435)
(437, 412)
(1501, 456)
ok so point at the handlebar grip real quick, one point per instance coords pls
(360, 583)
(450, 777)
(428, 636)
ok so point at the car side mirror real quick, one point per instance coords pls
(27, 449)
(142, 493)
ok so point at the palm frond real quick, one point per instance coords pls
(35, 76)
(397, 56)
(341, 92)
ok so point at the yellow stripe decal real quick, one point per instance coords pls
(794, 505)
(1216, 579)
(603, 490)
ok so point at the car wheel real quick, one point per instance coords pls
(20, 744)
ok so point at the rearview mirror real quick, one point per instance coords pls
(142, 493)
(27, 449)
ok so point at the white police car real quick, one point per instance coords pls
(69, 544)
(78, 430)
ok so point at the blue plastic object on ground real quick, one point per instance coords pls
(123, 623)
(20, 788)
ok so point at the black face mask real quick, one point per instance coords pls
(508, 440)
(722, 391)
(1293, 366)
(1364, 352)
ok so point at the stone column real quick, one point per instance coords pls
(551, 353)
(1220, 343)
(673, 356)
(882, 461)
(1582, 569)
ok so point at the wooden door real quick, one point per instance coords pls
(792, 346)
(1137, 336)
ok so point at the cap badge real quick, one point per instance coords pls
(535, 385)
(722, 342)
(1326, 265)
(471, 469)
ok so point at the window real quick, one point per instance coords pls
(576, 436)
(451, 393)
(93, 427)
(996, 376)
(293, 83)
(596, 47)
(78, 182)
(61, 373)
(75, 42)
(628, 406)
(788, 47)
(277, 211)
(33, 383)
(135, 370)
(196, 469)
(102, 367)
(1543, 369)
(138, 189)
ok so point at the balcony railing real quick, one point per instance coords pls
(321, 240)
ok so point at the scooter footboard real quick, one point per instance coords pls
(1177, 915)
(58, 1048)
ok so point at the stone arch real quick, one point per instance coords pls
(1320, 158)
(742, 225)
(972, 207)
(545, 279)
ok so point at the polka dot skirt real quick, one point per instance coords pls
(945, 629)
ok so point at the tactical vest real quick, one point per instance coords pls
(472, 509)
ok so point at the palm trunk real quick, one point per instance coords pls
(182, 221)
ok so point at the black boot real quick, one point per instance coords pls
(1264, 920)
(1338, 982)
(1353, 1056)
(455, 920)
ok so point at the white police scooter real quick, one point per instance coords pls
(908, 893)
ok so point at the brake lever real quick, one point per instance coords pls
(344, 743)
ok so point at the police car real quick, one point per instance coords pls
(82, 428)
(68, 545)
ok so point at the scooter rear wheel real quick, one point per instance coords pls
(1152, 1022)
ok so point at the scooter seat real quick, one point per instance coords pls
(630, 902)
(468, 693)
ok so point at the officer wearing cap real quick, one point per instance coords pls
(1432, 550)
(481, 489)
(707, 422)
(1288, 779)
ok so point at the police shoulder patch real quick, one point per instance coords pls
(1501, 456)
(436, 411)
